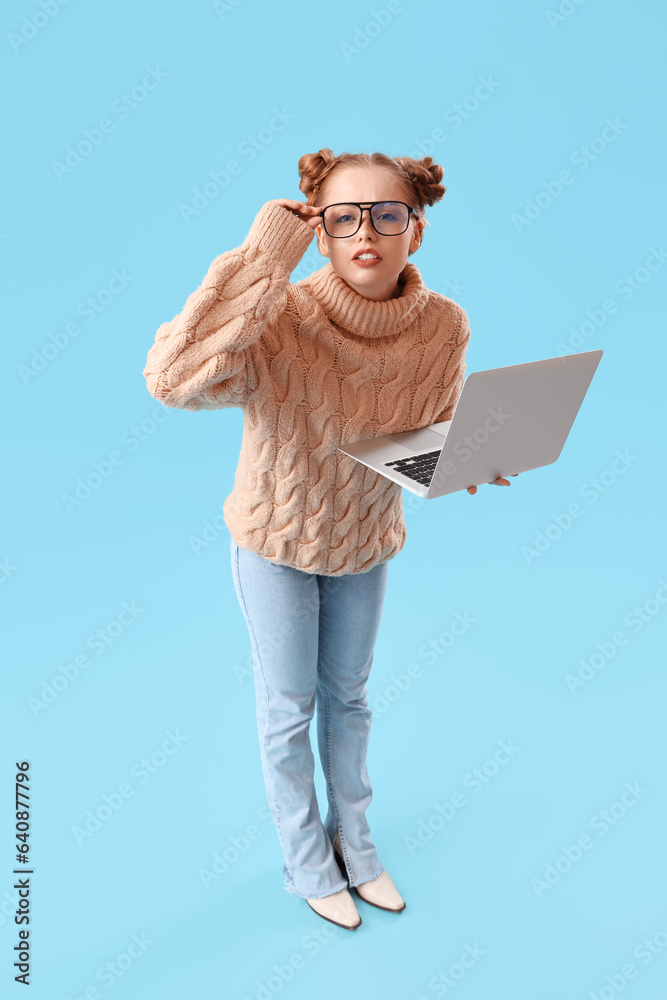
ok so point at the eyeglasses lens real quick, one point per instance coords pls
(390, 219)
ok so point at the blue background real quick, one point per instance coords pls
(505, 96)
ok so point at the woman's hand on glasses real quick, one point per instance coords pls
(307, 213)
(494, 482)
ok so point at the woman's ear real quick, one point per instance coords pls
(321, 242)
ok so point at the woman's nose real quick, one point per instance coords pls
(366, 226)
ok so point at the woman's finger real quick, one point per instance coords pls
(307, 213)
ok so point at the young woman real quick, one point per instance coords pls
(359, 348)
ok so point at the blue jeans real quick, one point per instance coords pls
(312, 643)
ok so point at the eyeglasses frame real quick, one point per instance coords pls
(363, 206)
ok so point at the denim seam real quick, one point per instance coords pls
(327, 745)
(369, 878)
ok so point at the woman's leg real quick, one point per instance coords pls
(281, 609)
(350, 611)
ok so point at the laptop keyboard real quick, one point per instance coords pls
(420, 468)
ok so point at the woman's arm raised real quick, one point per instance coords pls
(199, 358)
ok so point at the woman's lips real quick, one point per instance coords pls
(367, 263)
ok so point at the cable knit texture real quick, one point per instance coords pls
(313, 365)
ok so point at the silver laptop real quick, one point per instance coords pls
(507, 420)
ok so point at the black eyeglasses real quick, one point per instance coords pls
(388, 218)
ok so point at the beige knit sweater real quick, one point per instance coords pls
(313, 365)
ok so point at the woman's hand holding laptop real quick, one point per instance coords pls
(494, 482)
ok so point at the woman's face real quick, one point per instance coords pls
(365, 184)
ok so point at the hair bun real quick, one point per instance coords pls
(426, 176)
(313, 168)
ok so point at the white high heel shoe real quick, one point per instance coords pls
(379, 891)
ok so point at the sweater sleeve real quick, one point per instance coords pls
(199, 359)
(456, 366)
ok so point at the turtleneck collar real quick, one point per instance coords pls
(354, 313)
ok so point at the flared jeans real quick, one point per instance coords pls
(312, 640)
